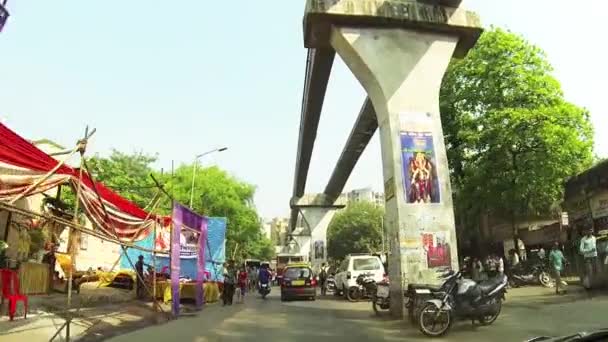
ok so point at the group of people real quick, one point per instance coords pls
(488, 268)
(587, 248)
(240, 280)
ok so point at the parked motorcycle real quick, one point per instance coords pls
(530, 273)
(464, 299)
(381, 297)
(264, 290)
(366, 285)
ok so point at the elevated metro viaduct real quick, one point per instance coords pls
(399, 51)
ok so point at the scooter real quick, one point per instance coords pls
(264, 290)
(460, 298)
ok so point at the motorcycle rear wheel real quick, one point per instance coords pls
(427, 320)
(353, 294)
(544, 278)
(489, 319)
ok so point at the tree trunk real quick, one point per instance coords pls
(515, 232)
(484, 229)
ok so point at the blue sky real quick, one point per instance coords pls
(188, 76)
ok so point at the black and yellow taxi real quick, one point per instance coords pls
(299, 281)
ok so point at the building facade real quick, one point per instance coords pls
(365, 195)
(279, 230)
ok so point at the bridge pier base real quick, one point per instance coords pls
(312, 235)
(402, 70)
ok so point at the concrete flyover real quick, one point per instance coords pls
(399, 51)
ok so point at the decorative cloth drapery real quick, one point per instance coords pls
(22, 164)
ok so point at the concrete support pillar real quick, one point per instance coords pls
(312, 235)
(401, 70)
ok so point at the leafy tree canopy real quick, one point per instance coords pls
(216, 193)
(356, 229)
(512, 138)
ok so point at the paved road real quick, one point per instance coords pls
(528, 312)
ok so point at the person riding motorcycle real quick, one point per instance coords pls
(264, 275)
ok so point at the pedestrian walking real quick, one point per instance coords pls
(229, 283)
(588, 249)
(243, 284)
(323, 278)
(139, 269)
(557, 260)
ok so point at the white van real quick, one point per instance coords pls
(354, 265)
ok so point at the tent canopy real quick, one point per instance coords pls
(23, 164)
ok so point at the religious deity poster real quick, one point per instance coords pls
(419, 167)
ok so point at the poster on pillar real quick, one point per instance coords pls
(421, 182)
(319, 250)
(437, 248)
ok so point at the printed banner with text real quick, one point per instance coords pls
(191, 229)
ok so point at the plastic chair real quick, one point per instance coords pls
(10, 291)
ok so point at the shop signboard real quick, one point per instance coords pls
(599, 205)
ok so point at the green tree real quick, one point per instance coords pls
(127, 174)
(511, 137)
(356, 229)
(216, 193)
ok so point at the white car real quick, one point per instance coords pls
(354, 265)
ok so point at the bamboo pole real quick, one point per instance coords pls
(80, 146)
(71, 247)
(45, 177)
(70, 224)
(105, 212)
(156, 200)
(154, 272)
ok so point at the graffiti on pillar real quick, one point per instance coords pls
(319, 249)
(437, 249)
(419, 167)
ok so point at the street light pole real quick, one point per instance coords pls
(221, 149)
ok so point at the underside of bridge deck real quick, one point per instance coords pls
(318, 69)
(362, 132)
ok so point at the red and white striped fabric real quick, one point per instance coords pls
(22, 164)
(124, 218)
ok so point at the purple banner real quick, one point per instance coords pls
(187, 225)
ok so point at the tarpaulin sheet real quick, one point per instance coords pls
(214, 260)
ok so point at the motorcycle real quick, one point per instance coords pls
(464, 299)
(528, 273)
(264, 290)
(366, 286)
(381, 297)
